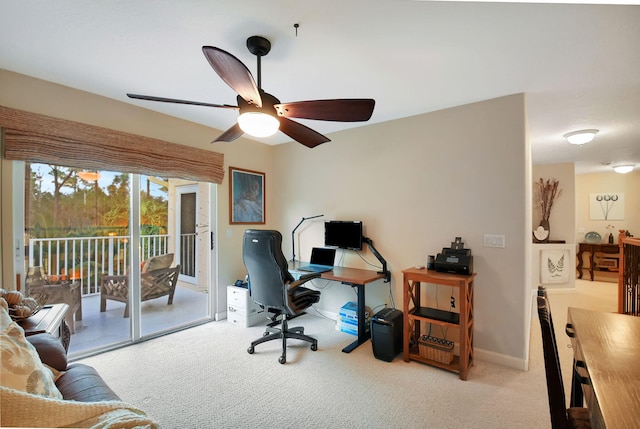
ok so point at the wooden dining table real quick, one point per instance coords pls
(606, 349)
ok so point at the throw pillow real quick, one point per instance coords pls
(20, 366)
(50, 350)
(158, 262)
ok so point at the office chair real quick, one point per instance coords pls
(272, 287)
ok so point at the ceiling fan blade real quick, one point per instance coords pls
(301, 133)
(234, 73)
(173, 100)
(340, 110)
(230, 135)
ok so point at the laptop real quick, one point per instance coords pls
(322, 259)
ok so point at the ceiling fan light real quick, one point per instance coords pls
(258, 124)
(581, 136)
(623, 169)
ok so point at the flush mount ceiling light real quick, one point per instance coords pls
(623, 169)
(581, 136)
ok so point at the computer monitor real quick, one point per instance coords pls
(343, 234)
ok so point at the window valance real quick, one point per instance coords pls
(38, 138)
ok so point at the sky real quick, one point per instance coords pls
(106, 178)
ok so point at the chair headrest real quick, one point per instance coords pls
(158, 262)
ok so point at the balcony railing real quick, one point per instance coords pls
(85, 259)
(187, 254)
(629, 275)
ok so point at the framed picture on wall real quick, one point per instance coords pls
(246, 196)
(555, 266)
(606, 206)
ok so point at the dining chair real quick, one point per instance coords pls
(561, 416)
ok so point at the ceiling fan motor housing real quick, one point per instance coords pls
(268, 101)
(258, 45)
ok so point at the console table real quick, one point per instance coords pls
(50, 320)
(415, 313)
(611, 249)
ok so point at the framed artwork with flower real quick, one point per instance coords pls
(606, 206)
(246, 196)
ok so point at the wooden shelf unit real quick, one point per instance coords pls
(415, 312)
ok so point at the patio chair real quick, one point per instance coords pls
(157, 279)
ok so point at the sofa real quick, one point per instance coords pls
(39, 388)
(78, 382)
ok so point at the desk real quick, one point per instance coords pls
(609, 346)
(354, 277)
(612, 249)
(50, 320)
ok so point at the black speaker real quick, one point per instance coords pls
(386, 334)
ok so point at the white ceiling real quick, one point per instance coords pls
(579, 64)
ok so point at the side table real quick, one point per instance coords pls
(51, 320)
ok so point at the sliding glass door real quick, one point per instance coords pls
(117, 238)
(170, 298)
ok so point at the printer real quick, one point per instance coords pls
(455, 259)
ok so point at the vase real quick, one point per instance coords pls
(610, 238)
(545, 224)
(541, 234)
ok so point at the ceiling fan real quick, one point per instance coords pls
(262, 114)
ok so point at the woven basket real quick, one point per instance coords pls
(436, 349)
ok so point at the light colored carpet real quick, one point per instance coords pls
(204, 378)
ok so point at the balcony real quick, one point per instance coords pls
(98, 330)
(83, 261)
(86, 259)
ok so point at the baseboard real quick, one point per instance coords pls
(484, 355)
(500, 359)
(324, 313)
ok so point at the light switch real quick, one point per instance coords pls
(494, 240)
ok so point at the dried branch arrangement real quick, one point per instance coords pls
(547, 193)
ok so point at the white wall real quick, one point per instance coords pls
(417, 183)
